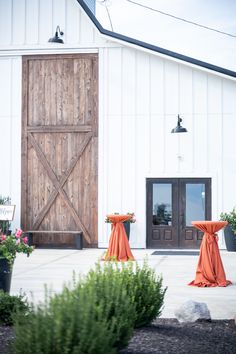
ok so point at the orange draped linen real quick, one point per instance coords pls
(210, 271)
(119, 248)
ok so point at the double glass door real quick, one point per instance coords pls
(172, 203)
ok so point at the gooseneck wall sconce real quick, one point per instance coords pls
(56, 38)
(179, 128)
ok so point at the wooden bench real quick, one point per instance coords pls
(78, 236)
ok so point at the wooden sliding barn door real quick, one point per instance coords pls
(59, 146)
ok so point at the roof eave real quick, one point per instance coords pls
(152, 47)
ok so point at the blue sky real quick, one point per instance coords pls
(181, 37)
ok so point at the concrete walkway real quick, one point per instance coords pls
(55, 267)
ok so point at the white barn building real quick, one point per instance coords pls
(86, 130)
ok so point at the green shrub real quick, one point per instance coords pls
(79, 320)
(111, 294)
(143, 287)
(10, 305)
(146, 290)
(94, 316)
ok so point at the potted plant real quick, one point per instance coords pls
(10, 245)
(230, 230)
(126, 224)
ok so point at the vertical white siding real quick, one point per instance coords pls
(5, 22)
(143, 95)
(72, 32)
(128, 109)
(32, 22)
(18, 22)
(200, 85)
(140, 96)
(229, 126)
(157, 115)
(59, 14)
(10, 128)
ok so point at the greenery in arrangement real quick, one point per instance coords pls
(231, 218)
(10, 305)
(131, 220)
(96, 315)
(12, 244)
(4, 224)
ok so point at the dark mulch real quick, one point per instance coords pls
(6, 336)
(168, 336)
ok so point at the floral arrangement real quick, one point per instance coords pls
(131, 220)
(12, 244)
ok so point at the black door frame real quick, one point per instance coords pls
(178, 228)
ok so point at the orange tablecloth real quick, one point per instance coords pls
(210, 270)
(119, 248)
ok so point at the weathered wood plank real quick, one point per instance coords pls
(59, 184)
(51, 232)
(24, 148)
(59, 129)
(59, 173)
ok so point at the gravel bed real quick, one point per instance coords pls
(6, 336)
(168, 336)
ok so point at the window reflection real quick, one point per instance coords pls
(162, 204)
(195, 202)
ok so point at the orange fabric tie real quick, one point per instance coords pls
(211, 237)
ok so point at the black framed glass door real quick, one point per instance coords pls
(172, 203)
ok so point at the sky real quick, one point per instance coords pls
(152, 27)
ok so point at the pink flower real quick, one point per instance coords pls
(18, 242)
(18, 233)
(4, 237)
(25, 239)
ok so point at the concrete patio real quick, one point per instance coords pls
(55, 267)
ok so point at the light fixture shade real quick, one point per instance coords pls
(179, 128)
(56, 38)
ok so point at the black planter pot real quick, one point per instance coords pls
(127, 228)
(230, 239)
(5, 275)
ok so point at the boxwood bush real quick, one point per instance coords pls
(10, 305)
(143, 287)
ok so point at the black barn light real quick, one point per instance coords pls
(56, 38)
(179, 128)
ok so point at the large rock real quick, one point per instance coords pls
(191, 311)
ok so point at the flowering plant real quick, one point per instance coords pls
(131, 220)
(12, 244)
